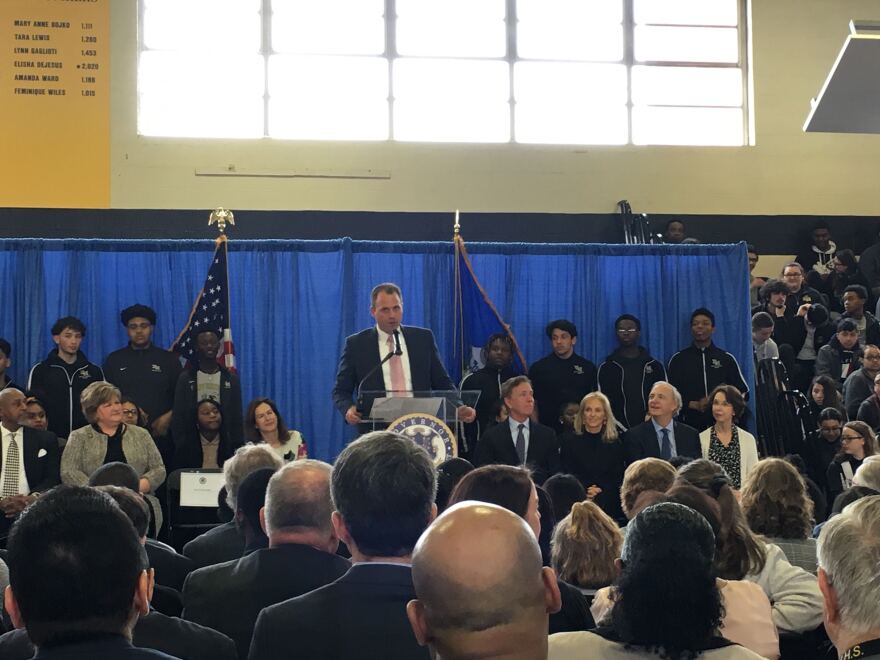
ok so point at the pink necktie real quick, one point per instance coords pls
(395, 365)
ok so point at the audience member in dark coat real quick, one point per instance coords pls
(499, 444)
(822, 445)
(171, 568)
(383, 488)
(300, 558)
(646, 440)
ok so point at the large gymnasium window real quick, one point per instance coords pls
(569, 72)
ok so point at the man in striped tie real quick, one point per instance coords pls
(29, 462)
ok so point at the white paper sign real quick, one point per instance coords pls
(200, 488)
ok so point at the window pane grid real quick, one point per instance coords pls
(567, 72)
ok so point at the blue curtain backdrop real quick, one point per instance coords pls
(294, 302)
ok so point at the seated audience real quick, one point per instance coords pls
(30, 462)
(842, 501)
(548, 523)
(762, 343)
(728, 445)
(225, 542)
(855, 300)
(383, 487)
(497, 357)
(628, 374)
(567, 413)
(857, 441)
(106, 440)
(667, 603)
(263, 423)
(799, 292)
(755, 282)
(701, 367)
(564, 490)
(301, 556)
(818, 332)
(520, 441)
(35, 414)
(60, 380)
(132, 414)
(846, 272)
(449, 473)
(75, 536)
(868, 474)
(817, 262)
(207, 444)
(594, 453)
(869, 409)
(251, 499)
(824, 393)
(822, 445)
(674, 232)
(481, 591)
(662, 436)
(563, 375)
(741, 555)
(776, 506)
(849, 553)
(817, 497)
(842, 355)
(512, 488)
(171, 568)
(585, 544)
(646, 474)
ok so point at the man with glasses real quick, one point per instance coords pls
(627, 376)
(860, 384)
(798, 292)
(822, 445)
(144, 371)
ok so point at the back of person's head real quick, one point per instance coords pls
(251, 498)
(564, 491)
(798, 462)
(76, 567)
(762, 321)
(504, 485)
(699, 501)
(449, 473)
(666, 598)
(644, 474)
(116, 474)
(298, 499)
(848, 551)
(817, 314)
(133, 505)
(585, 544)
(383, 486)
(850, 495)
(868, 473)
(245, 460)
(775, 501)
(739, 552)
(481, 589)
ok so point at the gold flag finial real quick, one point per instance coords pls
(456, 228)
(222, 217)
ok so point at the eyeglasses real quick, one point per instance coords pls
(132, 412)
(847, 438)
(627, 331)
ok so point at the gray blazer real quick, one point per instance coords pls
(86, 448)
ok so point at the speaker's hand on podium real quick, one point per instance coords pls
(467, 414)
(352, 416)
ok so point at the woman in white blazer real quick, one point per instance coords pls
(724, 442)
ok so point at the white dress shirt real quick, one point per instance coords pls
(404, 359)
(23, 487)
(514, 431)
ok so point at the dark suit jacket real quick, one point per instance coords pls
(361, 615)
(156, 631)
(228, 597)
(217, 545)
(497, 446)
(42, 472)
(361, 354)
(641, 441)
(100, 646)
(171, 568)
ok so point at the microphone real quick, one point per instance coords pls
(391, 354)
(398, 350)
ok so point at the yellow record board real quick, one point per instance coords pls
(55, 103)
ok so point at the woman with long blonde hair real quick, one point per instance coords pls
(584, 546)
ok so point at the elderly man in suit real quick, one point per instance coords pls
(520, 441)
(30, 459)
(661, 436)
(300, 558)
(389, 357)
(383, 487)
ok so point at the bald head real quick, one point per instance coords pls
(478, 576)
(12, 407)
(298, 499)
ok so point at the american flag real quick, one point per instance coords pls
(210, 312)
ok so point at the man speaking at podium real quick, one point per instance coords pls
(389, 357)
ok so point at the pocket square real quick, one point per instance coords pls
(42, 453)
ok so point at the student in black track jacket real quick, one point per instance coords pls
(628, 374)
(58, 381)
(701, 367)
